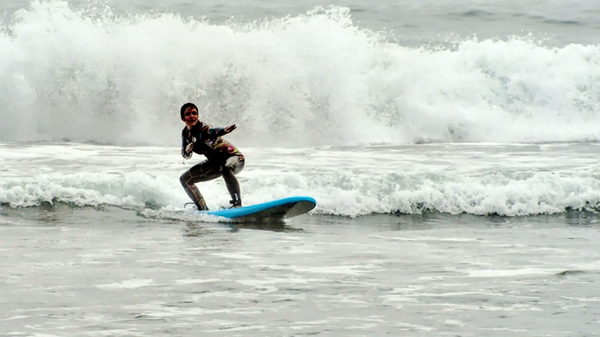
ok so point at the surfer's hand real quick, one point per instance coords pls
(189, 148)
(230, 128)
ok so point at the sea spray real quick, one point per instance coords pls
(90, 75)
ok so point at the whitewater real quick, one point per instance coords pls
(317, 78)
(479, 179)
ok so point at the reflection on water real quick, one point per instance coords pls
(579, 218)
(61, 213)
(198, 229)
(431, 220)
(267, 226)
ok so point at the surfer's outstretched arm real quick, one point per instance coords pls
(229, 129)
(218, 132)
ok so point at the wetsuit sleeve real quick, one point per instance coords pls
(184, 144)
(216, 132)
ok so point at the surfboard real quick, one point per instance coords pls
(272, 211)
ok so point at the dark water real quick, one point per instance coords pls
(563, 22)
(110, 272)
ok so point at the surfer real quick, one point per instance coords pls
(223, 159)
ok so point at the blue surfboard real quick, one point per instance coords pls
(272, 211)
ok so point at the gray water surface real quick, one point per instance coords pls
(88, 272)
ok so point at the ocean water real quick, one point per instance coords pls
(452, 148)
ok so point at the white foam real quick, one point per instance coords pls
(195, 281)
(128, 284)
(234, 256)
(308, 80)
(474, 179)
(12, 318)
(511, 272)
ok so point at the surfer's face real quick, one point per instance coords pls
(190, 116)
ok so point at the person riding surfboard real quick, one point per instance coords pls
(222, 158)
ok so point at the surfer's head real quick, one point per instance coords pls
(188, 109)
(189, 114)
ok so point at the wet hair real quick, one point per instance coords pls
(185, 107)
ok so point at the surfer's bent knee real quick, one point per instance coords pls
(235, 164)
(185, 177)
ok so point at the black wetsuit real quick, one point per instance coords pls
(223, 159)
